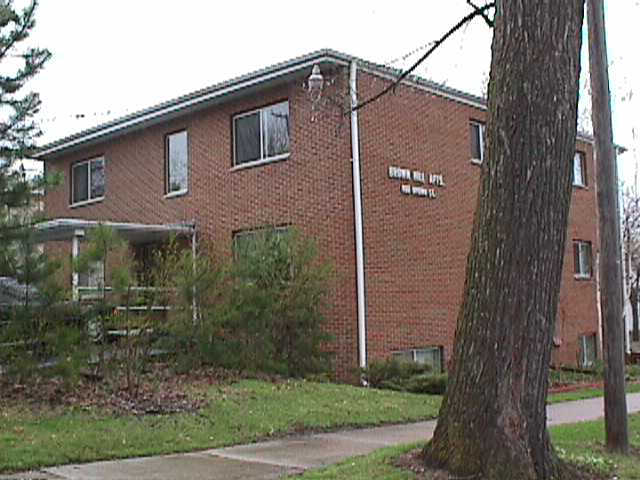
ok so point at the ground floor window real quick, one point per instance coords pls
(582, 259)
(245, 242)
(93, 278)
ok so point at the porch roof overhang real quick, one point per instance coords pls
(66, 228)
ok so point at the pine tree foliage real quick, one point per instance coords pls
(19, 63)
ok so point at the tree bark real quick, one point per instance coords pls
(611, 299)
(492, 422)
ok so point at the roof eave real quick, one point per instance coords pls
(189, 103)
(225, 91)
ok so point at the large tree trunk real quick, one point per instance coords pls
(492, 423)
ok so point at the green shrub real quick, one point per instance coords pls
(633, 372)
(569, 376)
(392, 369)
(195, 290)
(48, 340)
(275, 319)
(392, 374)
(262, 313)
(431, 384)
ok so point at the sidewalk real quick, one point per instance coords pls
(294, 454)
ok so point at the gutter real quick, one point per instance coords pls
(357, 214)
(208, 96)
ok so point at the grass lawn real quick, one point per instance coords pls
(242, 412)
(583, 443)
(580, 443)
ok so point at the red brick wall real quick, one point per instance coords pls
(577, 311)
(415, 248)
(310, 190)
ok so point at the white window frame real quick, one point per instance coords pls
(582, 246)
(579, 158)
(481, 131)
(168, 193)
(262, 159)
(89, 200)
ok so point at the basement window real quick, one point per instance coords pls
(87, 181)
(432, 356)
(261, 135)
(582, 259)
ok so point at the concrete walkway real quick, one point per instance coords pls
(294, 454)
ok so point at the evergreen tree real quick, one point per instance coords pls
(19, 63)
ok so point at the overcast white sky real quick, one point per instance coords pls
(114, 57)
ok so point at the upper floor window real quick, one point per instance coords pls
(261, 135)
(477, 142)
(582, 259)
(87, 180)
(579, 170)
(176, 163)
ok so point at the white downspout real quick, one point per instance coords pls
(357, 213)
(194, 253)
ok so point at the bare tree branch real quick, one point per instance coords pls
(483, 14)
(476, 12)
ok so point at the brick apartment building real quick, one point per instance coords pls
(265, 149)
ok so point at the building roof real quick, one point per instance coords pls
(67, 228)
(279, 73)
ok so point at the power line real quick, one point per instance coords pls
(83, 115)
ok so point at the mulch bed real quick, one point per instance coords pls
(572, 387)
(160, 391)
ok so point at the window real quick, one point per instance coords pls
(579, 170)
(247, 241)
(477, 142)
(87, 180)
(264, 257)
(92, 278)
(588, 350)
(431, 356)
(582, 259)
(261, 135)
(177, 163)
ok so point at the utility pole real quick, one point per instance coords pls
(615, 401)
